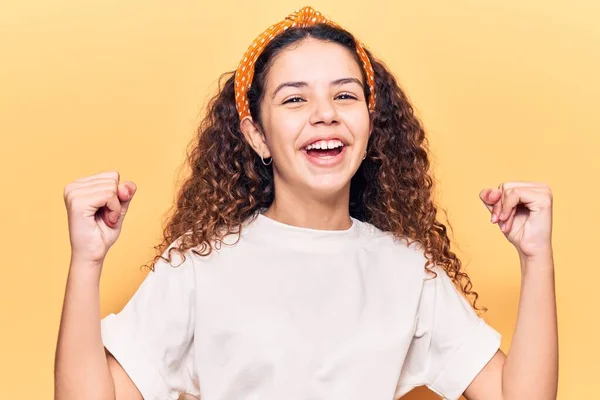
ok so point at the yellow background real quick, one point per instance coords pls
(507, 90)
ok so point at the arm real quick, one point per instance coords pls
(530, 370)
(82, 367)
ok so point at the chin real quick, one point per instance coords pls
(327, 185)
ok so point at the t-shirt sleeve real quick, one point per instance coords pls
(152, 337)
(452, 344)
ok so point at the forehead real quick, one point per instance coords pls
(312, 60)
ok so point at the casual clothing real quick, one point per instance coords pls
(299, 314)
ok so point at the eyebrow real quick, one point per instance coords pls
(300, 84)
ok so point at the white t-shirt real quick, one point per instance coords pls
(299, 314)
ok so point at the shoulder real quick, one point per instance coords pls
(374, 236)
(176, 259)
(189, 250)
(402, 249)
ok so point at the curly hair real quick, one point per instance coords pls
(392, 189)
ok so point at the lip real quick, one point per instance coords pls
(317, 138)
(326, 162)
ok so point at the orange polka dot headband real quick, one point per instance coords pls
(305, 17)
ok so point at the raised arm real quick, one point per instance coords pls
(96, 206)
(530, 369)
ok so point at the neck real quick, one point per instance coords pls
(331, 213)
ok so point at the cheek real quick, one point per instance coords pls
(358, 124)
(284, 131)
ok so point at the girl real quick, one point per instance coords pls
(304, 259)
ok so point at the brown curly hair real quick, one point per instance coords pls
(392, 189)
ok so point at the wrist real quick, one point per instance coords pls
(544, 255)
(80, 260)
(85, 267)
(543, 261)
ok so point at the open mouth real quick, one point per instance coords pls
(325, 152)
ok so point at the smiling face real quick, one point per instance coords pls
(315, 118)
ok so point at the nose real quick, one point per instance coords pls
(324, 112)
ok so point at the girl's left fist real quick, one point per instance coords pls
(523, 211)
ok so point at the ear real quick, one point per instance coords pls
(255, 137)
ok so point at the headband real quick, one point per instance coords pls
(305, 17)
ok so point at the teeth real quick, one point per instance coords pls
(325, 144)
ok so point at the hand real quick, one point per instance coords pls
(523, 211)
(96, 206)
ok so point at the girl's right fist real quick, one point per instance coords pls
(96, 206)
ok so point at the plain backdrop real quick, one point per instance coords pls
(507, 90)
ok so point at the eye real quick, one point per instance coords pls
(346, 96)
(295, 99)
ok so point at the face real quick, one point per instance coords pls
(315, 118)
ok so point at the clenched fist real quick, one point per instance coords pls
(96, 206)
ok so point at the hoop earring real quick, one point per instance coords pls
(263, 160)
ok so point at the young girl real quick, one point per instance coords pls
(304, 259)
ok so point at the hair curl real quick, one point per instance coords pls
(392, 189)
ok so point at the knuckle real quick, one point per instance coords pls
(115, 175)
(70, 195)
(75, 202)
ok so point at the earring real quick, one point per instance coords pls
(263, 160)
(365, 156)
